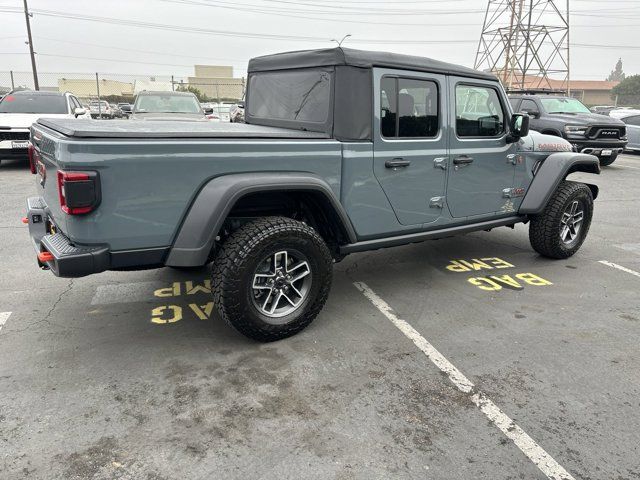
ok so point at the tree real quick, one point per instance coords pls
(617, 75)
(627, 91)
(189, 88)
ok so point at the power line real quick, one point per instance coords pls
(369, 12)
(199, 57)
(225, 33)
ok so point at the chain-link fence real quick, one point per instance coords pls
(122, 88)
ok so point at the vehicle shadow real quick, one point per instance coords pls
(14, 164)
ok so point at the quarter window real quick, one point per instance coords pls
(408, 108)
(479, 112)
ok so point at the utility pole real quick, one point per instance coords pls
(33, 57)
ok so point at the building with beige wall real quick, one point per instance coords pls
(217, 81)
(85, 88)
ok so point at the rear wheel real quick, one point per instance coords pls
(271, 278)
(606, 161)
(560, 230)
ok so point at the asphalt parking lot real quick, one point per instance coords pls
(128, 375)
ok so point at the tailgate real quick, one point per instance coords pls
(46, 160)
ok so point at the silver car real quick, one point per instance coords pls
(632, 119)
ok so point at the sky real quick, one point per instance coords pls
(167, 37)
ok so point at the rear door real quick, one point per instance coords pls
(410, 142)
(482, 168)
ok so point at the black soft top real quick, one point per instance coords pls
(359, 58)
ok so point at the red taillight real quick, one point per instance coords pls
(33, 157)
(79, 192)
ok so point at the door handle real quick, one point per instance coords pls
(397, 162)
(463, 160)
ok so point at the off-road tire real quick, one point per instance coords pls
(606, 161)
(235, 264)
(545, 228)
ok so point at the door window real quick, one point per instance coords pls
(529, 106)
(408, 108)
(479, 112)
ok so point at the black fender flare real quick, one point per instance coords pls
(197, 233)
(554, 170)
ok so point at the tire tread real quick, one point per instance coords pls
(226, 283)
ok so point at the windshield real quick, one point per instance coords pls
(563, 105)
(35, 103)
(302, 95)
(167, 104)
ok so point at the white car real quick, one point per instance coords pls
(18, 110)
(100, 109)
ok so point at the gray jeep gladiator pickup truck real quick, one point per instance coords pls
(343, 151)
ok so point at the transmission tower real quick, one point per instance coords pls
(526, 43)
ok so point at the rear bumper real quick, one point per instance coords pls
(8, 151)
(14, 153)
(68, 260)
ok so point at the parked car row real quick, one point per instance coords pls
(20, 109)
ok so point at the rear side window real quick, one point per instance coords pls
(408, 108)
(479, 112)
(27, 103)
(301, 95)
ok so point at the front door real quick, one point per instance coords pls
(482, 163)
(410, 143)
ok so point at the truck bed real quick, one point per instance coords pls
(159, 129)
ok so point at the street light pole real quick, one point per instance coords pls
(33, 58)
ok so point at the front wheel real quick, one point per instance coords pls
(561, 228)
(271, 278)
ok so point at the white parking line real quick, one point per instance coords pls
(619, 267)
(4, 316)
(534, 452)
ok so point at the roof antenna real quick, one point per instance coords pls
(343, 39)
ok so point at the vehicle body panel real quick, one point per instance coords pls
(151, 184)
(476, 188)
(409, 189)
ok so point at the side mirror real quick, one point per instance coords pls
(78, 111)
(208, 110)
(518, 126)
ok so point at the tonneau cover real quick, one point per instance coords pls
(163, 129)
